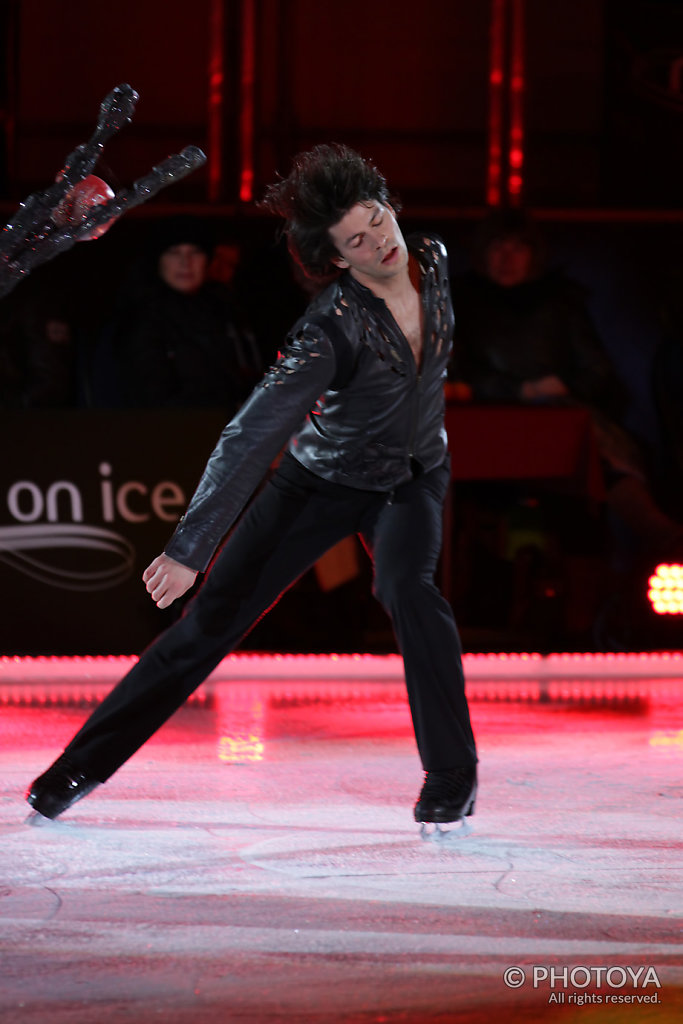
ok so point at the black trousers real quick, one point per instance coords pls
(288, 526)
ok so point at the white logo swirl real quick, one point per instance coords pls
(16, 541)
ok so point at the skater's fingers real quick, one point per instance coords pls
(152, 568)
(155, 581)
(165, 601)
(166, 593)
(168, 581)
(157, 587)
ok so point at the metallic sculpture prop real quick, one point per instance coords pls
(79, 206)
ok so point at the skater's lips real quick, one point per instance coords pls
(390, 255)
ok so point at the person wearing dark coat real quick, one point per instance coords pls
(176, 340)
(524, 335)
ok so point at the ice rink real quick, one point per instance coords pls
(257, 860)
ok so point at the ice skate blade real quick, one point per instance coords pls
(449, 832)
(37, 820)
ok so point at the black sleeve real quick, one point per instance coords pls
(251, 441)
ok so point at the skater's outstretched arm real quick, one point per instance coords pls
(166, 580)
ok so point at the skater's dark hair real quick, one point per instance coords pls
(323, 185)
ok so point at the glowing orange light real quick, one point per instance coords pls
(666, 738)
(241, 715)
(665, 589)
(238, 749)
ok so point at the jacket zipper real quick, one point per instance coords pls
(418, 378)
(416, 410)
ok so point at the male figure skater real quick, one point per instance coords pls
(357, 398)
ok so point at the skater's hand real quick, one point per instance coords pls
(166, 580)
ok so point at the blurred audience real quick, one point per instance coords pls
(524, 335)
(11, 375)
(667, 389)
(176, 339)
(40, 361)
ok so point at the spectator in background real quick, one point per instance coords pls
(523, 334)
(667, 389)
(39, 355)
(176, 339)
(11, 374)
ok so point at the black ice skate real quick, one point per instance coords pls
(446, 799)
(58, 788)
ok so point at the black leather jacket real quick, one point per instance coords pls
(345, 395)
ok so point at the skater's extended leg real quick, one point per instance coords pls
(279, 537)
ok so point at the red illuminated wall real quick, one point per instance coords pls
(71, 55)
(600, 109)
(406, 82)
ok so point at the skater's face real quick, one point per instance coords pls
(370, 243)
(183, 267)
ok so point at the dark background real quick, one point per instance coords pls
(408, 84)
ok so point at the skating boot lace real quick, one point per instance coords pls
(447, 795)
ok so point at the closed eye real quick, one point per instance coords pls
(358, 240)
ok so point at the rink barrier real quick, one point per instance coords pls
(517, 677)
